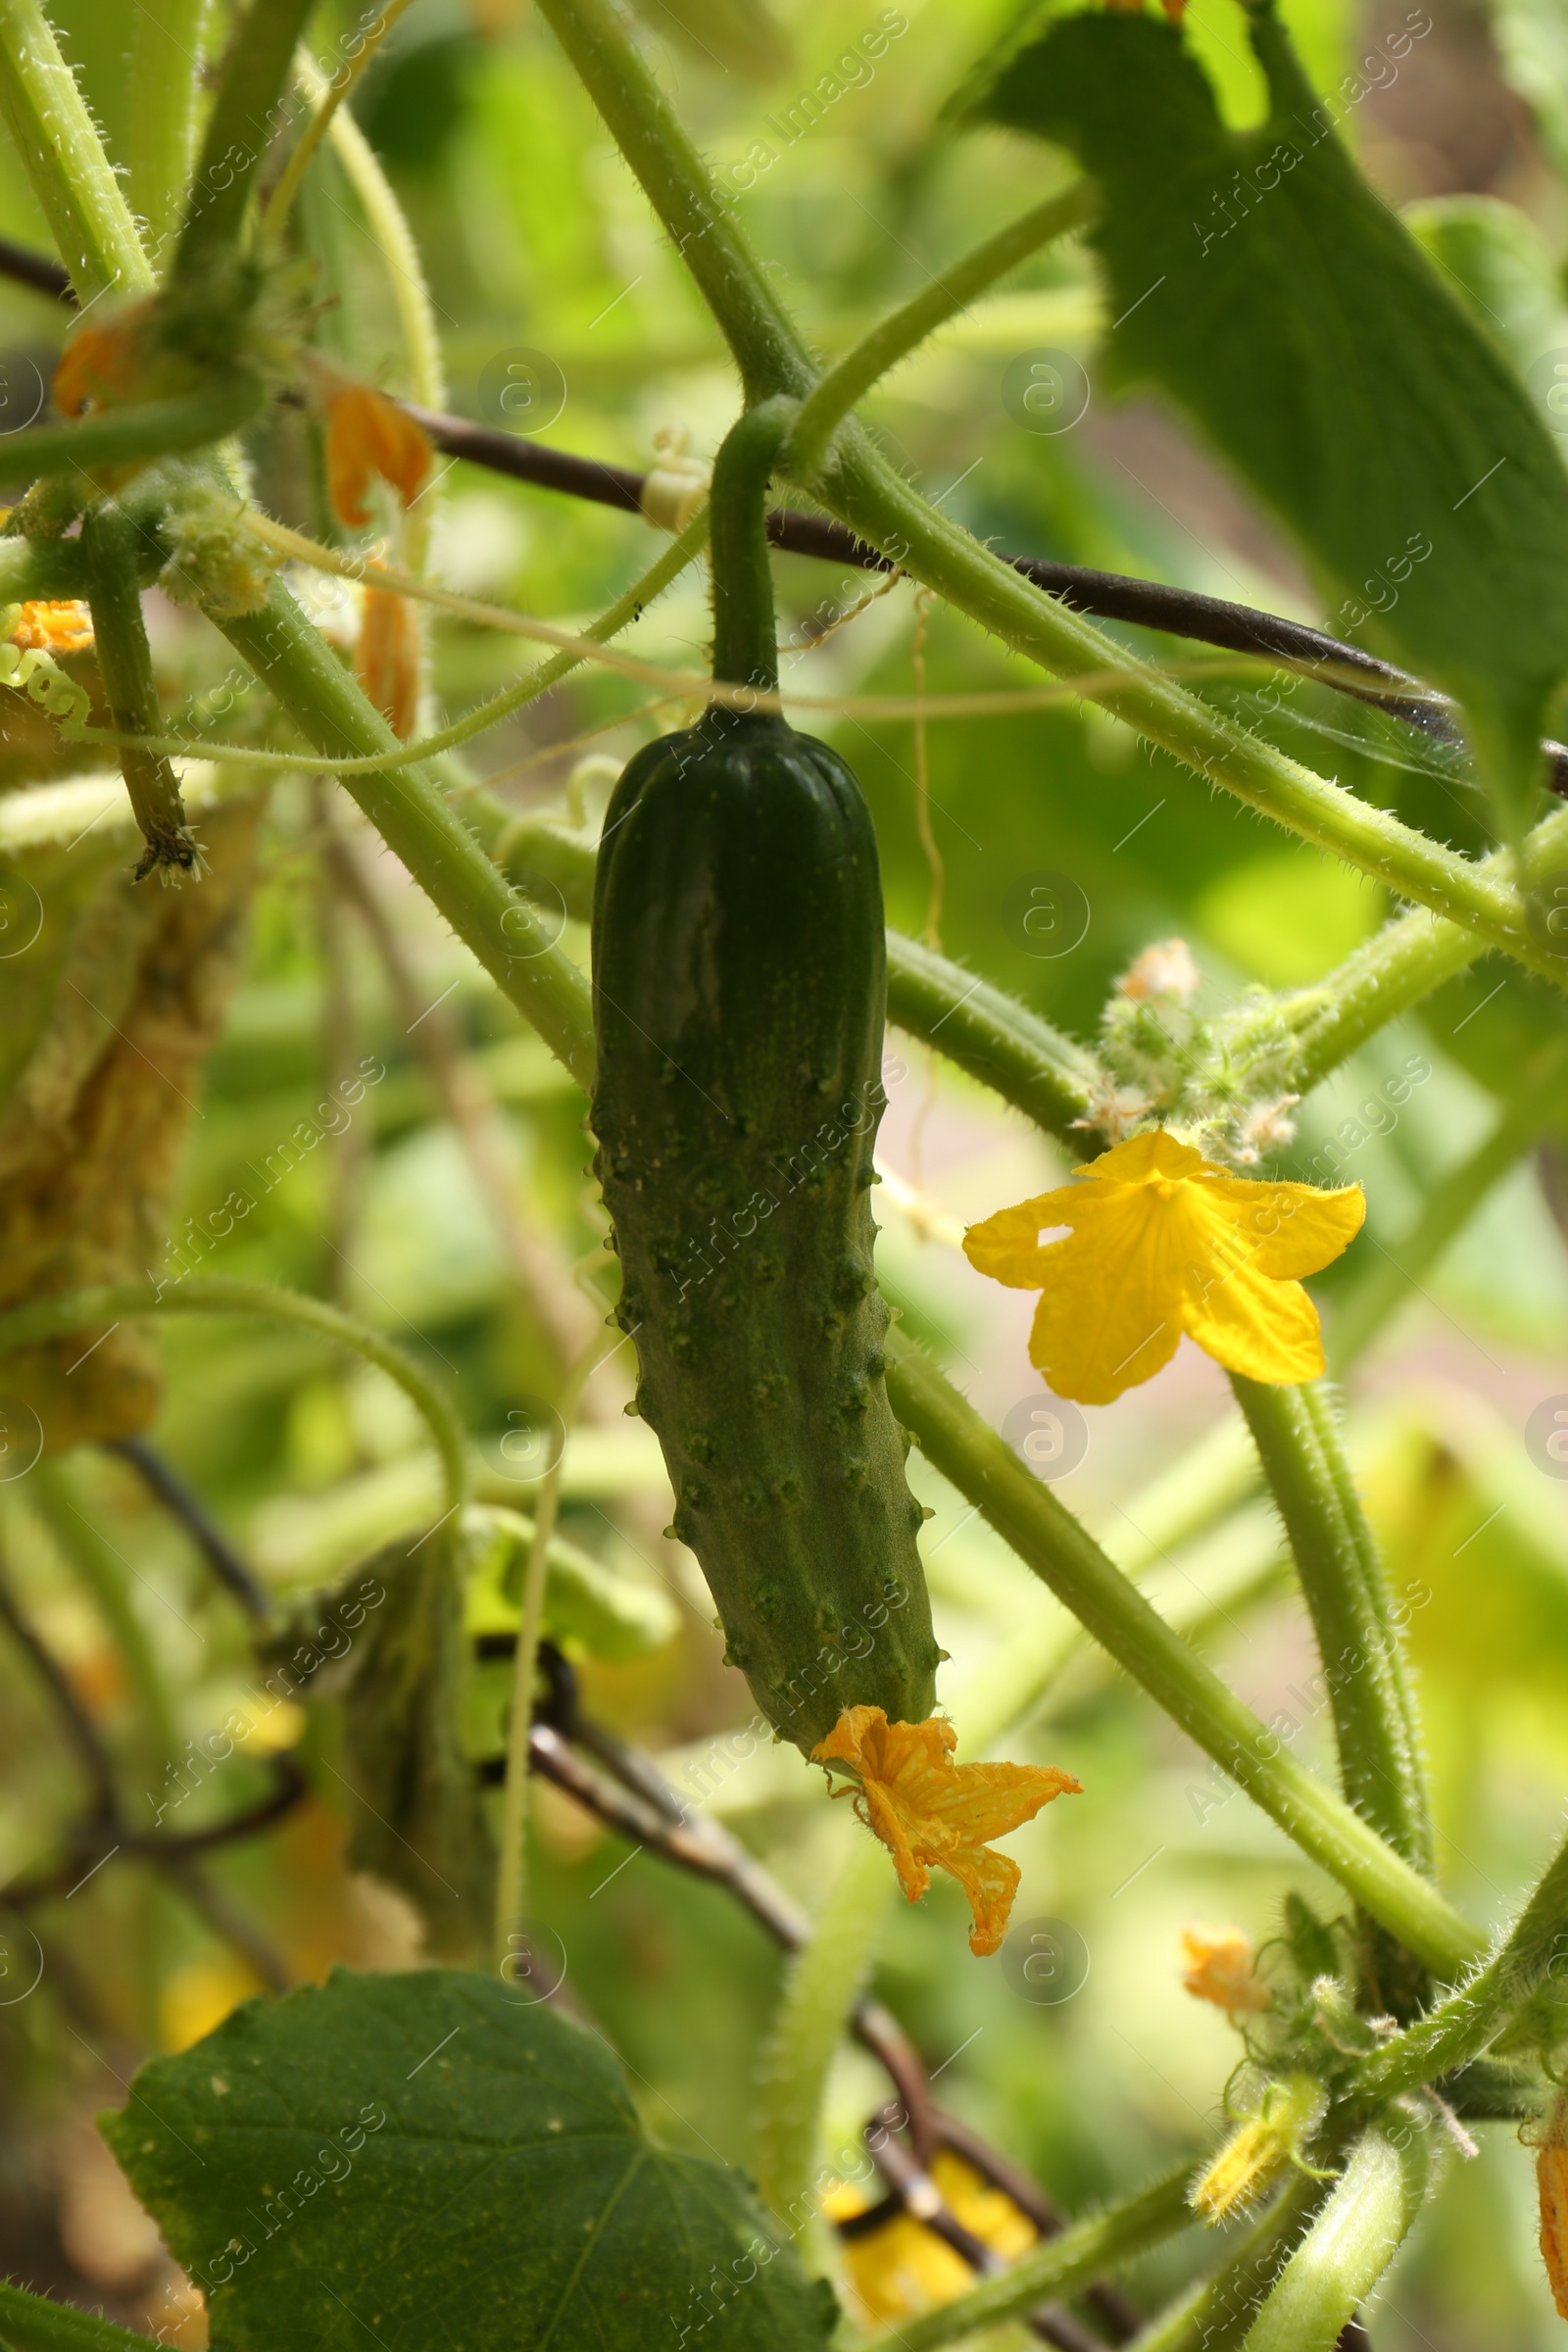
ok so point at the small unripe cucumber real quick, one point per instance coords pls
(739, 985)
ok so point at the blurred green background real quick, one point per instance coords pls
(536, 240)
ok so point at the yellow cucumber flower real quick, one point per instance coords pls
(931, 1813)
(1163, 1242)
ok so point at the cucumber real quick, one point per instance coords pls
(739, 987)
(739, 994)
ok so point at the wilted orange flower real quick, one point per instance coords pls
(386, 657)
(370, 435)
(1551, 2179)
(1221, 1967)
(60, 625)
(931, 1813)
(1163, 1241)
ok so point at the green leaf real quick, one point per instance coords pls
(426, 2162)
(1500, 265)
(1256, 279)
(585, 1603)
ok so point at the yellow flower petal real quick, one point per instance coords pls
(1163, 1242)
(931, 1813)
(1265, 1330)
(899, 2268)
(57, 625)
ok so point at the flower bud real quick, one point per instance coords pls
(1256, 2154)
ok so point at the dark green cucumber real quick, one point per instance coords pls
(739, 990)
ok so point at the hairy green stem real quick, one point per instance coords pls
(766, 344)
(168, 45)
(1537, 1108)
(745, 637)
(109, 1303)
(1399, 965)
(63, 157)
(1051, 1541)
(1397, 968)
(1058, 2267)
(938, 300)
(42, 568)
(1043, 1073)
(126, 663)
(247, 111)
(1354, 2237)
(627, 608)
(326, 99)
(151, 428)
(404, 269)
(1214, 2315)
(37, 2324)
(1459, 2029)
(862, 490)
(405, 806)
(821, 1985)
(1342, 1579)
(511, 1874)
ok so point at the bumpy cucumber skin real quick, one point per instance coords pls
(739, 988)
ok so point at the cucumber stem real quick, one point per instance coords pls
(246, 112)
(194, 1295)
(167, 53)
(124, 660)
(859, 488)
(63, 156)
(821, 1985)
(295, 660)
(745, 639)
(144, 429)
(1058, 2266)
(1354, 2239)
(37, 2324)
(1342, 1580)
(899, 333)
(1047, 1538)
(1459, 2029)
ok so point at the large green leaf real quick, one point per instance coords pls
(432, 2163)
(1256, 279)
